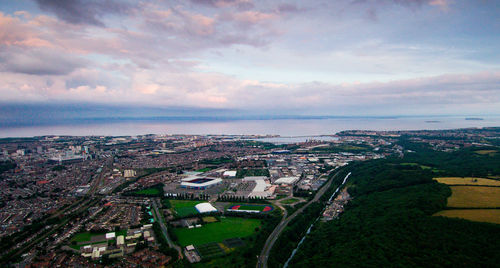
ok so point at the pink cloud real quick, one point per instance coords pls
(12, 31)
(253, 17)
(443, 4)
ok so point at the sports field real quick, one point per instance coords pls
(289, 201)
(184, 208)
(204, 169)
(474, 197)
(250, 207)
(482, 215)
(86, 236)
(226, 228)
(148, 191)
(468, 181)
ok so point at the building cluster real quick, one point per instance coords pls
(114, 246)
(61, 186)
(336, 206)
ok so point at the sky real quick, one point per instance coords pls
(69, 58)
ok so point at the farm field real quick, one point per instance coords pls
(184, 208)
(210, 250)
(481, 215)
(230, 227)
(209, 219)
(474, 197)
(468, 181)
(488, 152)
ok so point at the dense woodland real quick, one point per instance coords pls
(296, 229)
(389, 222)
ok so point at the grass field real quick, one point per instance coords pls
(148, 191)
(474, 197)
(289, 201)
(78, 247)
(251, 207)
(421, 166)
(416, 164)
(81, 238)
(217, 232)
(482, 215)
(184, 208)
(204, 169)
(467, 181)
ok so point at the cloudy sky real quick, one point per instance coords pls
(345, 57)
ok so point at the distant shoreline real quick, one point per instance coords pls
(288, 127)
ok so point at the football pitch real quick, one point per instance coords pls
(217, 231)
(184, 208)
(250, 207)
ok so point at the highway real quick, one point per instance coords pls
(264, 255)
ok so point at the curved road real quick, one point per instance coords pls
(264, 255)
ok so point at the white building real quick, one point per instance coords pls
(287, 180)
(229, 174)
(205, 208)
(262, 187)
(110, 235)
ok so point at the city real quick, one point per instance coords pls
(249, 134)
(108, 200)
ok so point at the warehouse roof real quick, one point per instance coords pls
(286, 180)
(205, 208)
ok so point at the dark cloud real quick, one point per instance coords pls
(288, 8)
(67, 113)
(240, 4)
(38, 62)
(83, 11)
(372, 7)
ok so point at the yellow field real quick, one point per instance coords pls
(474, 196)
(490, 152)
(482, 215)
(467, 181)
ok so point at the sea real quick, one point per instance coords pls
(291, 129)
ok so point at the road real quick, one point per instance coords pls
(264, 255)
(108, 165)
(160, 221)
